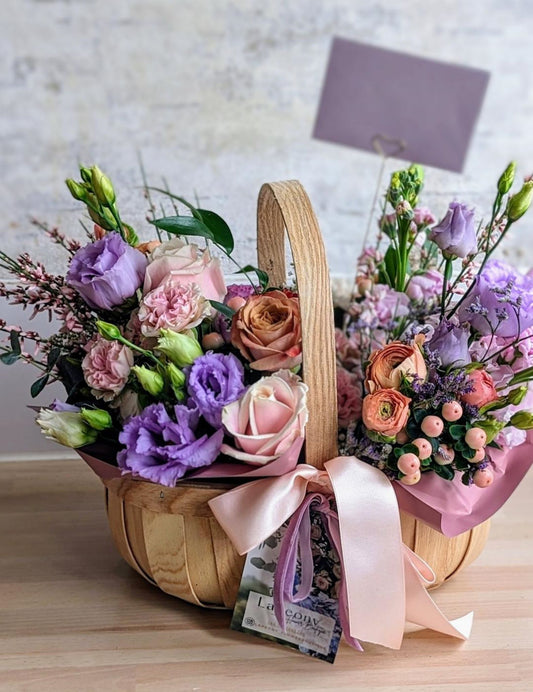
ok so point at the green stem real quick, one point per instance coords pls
(447, 276)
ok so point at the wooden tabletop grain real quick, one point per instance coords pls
(74, 617)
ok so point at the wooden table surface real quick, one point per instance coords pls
(74, 617)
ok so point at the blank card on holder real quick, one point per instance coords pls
(418, 109)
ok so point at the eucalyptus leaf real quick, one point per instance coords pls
(53, 356)
(14, 341)
(9, 358)
(444, 472)
(38, 386)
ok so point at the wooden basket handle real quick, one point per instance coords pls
(285, 205)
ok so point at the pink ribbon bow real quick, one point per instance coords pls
(383, 581)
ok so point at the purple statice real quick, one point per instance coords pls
(161, 448)
(107, 272)
(456, 234)
(450, 341)
(440, 388)
(213, 381)
(500, 302)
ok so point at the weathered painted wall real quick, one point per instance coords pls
(220, 95)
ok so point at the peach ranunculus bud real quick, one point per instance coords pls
(483, 391)
(390, 364)
(185, 264)
(267, 331)
(268, 418)
(386, 412)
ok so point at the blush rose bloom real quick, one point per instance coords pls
(185, 264)
(386, 412)
(268, 332)
(390, 364)
(267, 419)
(484, 390)
(172, 305)
(106, 367)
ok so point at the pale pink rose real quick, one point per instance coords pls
(349, 398)
(425, 287)
(186, 264)
(106, 367)
(172, 305)
(267, 419)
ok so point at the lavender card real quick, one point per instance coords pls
(377, 97)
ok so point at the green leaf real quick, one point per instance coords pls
(457, 431)
(53, 357)
(15, 341)
(219, 228)
(444, 472)
(9, 358)
(465, 478)
(38, 386)
(224, 309)
(261, 275)
(183, 225)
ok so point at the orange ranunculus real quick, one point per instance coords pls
(394, 361)
(386, 411)
(268, 332)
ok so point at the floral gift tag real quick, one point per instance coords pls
(312, 625)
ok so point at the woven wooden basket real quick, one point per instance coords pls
(169, 534)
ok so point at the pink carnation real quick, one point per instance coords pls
(106, 367)
(349, 399)
(172, 305)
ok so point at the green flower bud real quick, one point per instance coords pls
(150, 380)
(417, 172)
(85, 174)
(103, 187)
(76, 190)
(516, 396)
(131, 237)
(104, 218)
(518, 204)
(108, 331)
(506, 180)
(491, 426)
(181, 349)
(177, 381)
(96, 418)
(523, 420)
(65, 427)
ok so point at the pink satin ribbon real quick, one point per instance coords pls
(383, 581)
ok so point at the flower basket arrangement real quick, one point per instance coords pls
(211, 411)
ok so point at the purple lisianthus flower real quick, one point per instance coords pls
(222, 324)
(426, 286)
(106, 272)
(161, 449)
(213, 381)
(456, 234)
(500, 302)
(450, 343)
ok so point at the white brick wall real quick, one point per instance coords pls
(220, 96)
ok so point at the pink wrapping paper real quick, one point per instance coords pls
(451, 507)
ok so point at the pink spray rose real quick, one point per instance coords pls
(484, 390)
(186, 264)
(172, 305)
(267, 419)
(106, 367)
(426, 286)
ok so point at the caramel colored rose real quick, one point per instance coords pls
(386, 412)
(395, 361)
(268, 332)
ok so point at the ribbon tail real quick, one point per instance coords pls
(421, 609)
